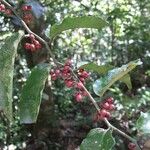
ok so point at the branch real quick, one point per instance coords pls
(59, 64)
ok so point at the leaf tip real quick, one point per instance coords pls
(139, 62)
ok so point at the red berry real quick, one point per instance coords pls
(111, 107)
(8, 12)
(32, 47)
(27, 45)
(66, 72)
(106, 105)
(58, 72)
(53, 76)
(85, 74)
(110, 100)
(26, 8)
(66, 68)
(32, 37)
(78, 97)
(29, 8)
(81, 79)
(103, 113)
(79, 85)
(131, 146)
(108, 115)
(69, 83)
(66, 75)
(2, 7)
(37, 44)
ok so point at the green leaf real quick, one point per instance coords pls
(101, 85)
(98, 139)
(31, 95)
(77, 22)
(103, 69)
(7, 57)
(143, 123)
(127, 80)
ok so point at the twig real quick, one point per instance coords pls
(58, 63)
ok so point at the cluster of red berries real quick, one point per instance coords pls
(65, 73)
(27, 16)
(4, 10)
(106, 106)
(34, 45)
(131, 146)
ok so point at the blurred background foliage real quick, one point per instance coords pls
(126, 38)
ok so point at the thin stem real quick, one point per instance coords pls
(59, 64)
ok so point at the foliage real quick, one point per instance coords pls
(7, 57)
(143, 122)
(78, 22)
(31, 94)
(126, 38)
(98, 139)
(95, 68)
(101, 86)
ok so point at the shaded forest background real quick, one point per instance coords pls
(62, 123)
